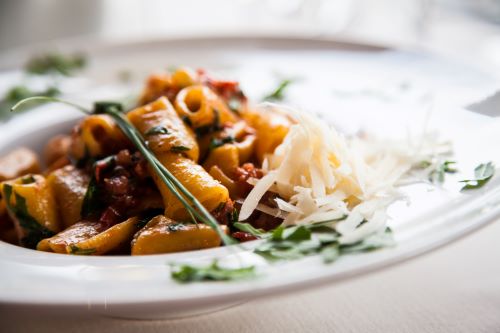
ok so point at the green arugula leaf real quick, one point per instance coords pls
(35, 232)
(55, 63)
(247, 227)
(278, 94)
(373, 242)
(156, 130)
(213, 272)
(483, 173)
(298, 233)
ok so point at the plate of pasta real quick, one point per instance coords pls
(266, 165)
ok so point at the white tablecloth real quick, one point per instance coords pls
(455, 289)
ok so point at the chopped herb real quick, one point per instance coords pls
(179, 149)
(247, 227)
(55, 63)
(156, 130)
(299, 241)
(18, 93)
(73, 249)
(330, 253)
(211, 128)
(213, 272)
(91, 201)
(278, 93)
(101, 107)
(216, 143)
(373, 242)
(438, 174)
(28, 179)
(483, 173)
(35, 232)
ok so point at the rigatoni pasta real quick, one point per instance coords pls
(100, 195)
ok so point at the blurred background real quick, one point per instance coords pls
(465, 29)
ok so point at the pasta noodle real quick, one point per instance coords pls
(163, 129)
(99, 194)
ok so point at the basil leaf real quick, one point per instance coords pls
(213, 272)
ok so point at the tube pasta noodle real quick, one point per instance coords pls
(31, 205)
(97, 135)
(206, 189)
(69, 185)
(202, 106)
(164, 130)
(89, 238)
(99, 195)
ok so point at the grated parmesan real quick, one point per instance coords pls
(320, 175)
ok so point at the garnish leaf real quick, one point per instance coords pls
(247, 227)
(18, 93)
(55, 63)
(482, 173)
(330, 253)
(438, 174)
(278, 93)
(213, 272)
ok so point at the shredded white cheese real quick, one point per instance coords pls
(320, 175)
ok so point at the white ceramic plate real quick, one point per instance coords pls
(354, 87)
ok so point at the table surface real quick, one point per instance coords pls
(454, 289)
